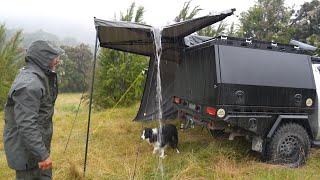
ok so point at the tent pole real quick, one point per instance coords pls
(90, 104)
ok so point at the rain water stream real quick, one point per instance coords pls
(158, 52)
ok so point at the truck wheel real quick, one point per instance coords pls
(289, 145)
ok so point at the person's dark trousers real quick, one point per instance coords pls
(34, 174)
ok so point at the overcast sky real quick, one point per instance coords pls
(54, 14)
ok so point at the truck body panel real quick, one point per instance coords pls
(252, 84)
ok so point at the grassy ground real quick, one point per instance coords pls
(115, 149)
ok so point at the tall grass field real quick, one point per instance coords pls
(116, 151)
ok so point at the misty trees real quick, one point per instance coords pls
(307, 20)
(212, 30)
(74, 70)
(185, 14)
(116, 71)
(10, 56)
(130, 16)
(307, 24)
(267, 20)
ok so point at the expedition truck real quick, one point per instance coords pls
(264, 91)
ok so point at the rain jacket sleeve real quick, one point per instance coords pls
(27, 103)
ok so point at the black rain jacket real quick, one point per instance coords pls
(29, 109)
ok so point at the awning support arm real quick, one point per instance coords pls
(90, 103)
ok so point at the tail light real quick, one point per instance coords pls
(211, 111)
(177, 100)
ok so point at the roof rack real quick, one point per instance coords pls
(256, 44)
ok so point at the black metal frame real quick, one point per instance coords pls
(90, 103)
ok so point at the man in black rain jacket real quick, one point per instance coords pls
(28, 113)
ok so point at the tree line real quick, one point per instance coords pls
(268, 20)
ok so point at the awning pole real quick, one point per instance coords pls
(90, 104)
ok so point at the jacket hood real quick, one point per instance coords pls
(42, 53)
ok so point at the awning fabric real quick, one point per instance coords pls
(138, 38)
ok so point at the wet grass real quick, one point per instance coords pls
(116, 151)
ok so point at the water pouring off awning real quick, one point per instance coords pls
(138, 38)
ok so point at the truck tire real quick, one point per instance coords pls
(289, 145)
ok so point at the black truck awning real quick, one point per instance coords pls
(138, 38)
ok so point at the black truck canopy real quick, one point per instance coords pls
(138, 38)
